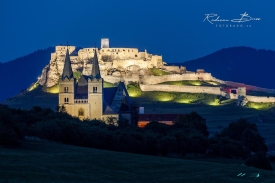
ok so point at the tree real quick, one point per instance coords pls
(10, 135)
(245, 133)
(192, 121)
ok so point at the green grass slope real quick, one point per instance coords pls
(52, 162)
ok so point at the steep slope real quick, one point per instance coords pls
(18, 74)
(238, 64)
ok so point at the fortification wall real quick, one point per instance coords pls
(129, 62)
(176, 77)
(185, 89)
(61, 50)
(125, 79)
(260, 99)
(172, 68)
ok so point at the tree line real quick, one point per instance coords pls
(188, 135)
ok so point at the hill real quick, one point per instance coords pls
(217, 116)
(52, 162)
(18, 74)
(239, 64)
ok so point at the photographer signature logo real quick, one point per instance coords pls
(213, 18)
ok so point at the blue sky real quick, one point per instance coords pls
(173, 29)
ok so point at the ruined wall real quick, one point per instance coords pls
(185, 89)
(126, 63)
(176, 77)
(125, 79)
(260, 99)
(172, 68)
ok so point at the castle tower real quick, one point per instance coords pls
(67, 85)
(104, 43)
(95, 91)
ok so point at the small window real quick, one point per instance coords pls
(80, 112)
(66, 100)
(94, 89)
(66, 89)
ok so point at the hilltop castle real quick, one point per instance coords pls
(87, 98)
(118, 62)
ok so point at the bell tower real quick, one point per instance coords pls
(95, 90)
(67, 85)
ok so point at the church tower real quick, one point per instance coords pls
(95, 91)
(67, 85)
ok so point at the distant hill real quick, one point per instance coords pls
(18, 74)
(239, 64)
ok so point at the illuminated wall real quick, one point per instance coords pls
(186, 89)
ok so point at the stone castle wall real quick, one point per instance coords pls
(176, 77)
(185, 89)
(260, 99)
(172, 68)
(125, 79)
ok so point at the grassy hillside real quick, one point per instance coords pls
(218, 116)
(52, 162)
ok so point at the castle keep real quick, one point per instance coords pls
(87, 98)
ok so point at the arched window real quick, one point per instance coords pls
(66, 100)
(66, 89)
(94, 89)
(81, 112)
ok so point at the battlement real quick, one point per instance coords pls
(109, 57)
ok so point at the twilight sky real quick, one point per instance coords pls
(173, 29)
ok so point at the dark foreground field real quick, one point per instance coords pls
(52, 162)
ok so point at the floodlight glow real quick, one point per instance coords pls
(53, 89)
(185, 101)
(196, 83)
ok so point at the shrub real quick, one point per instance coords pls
(259, 160)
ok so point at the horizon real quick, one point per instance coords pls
(179, 31)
